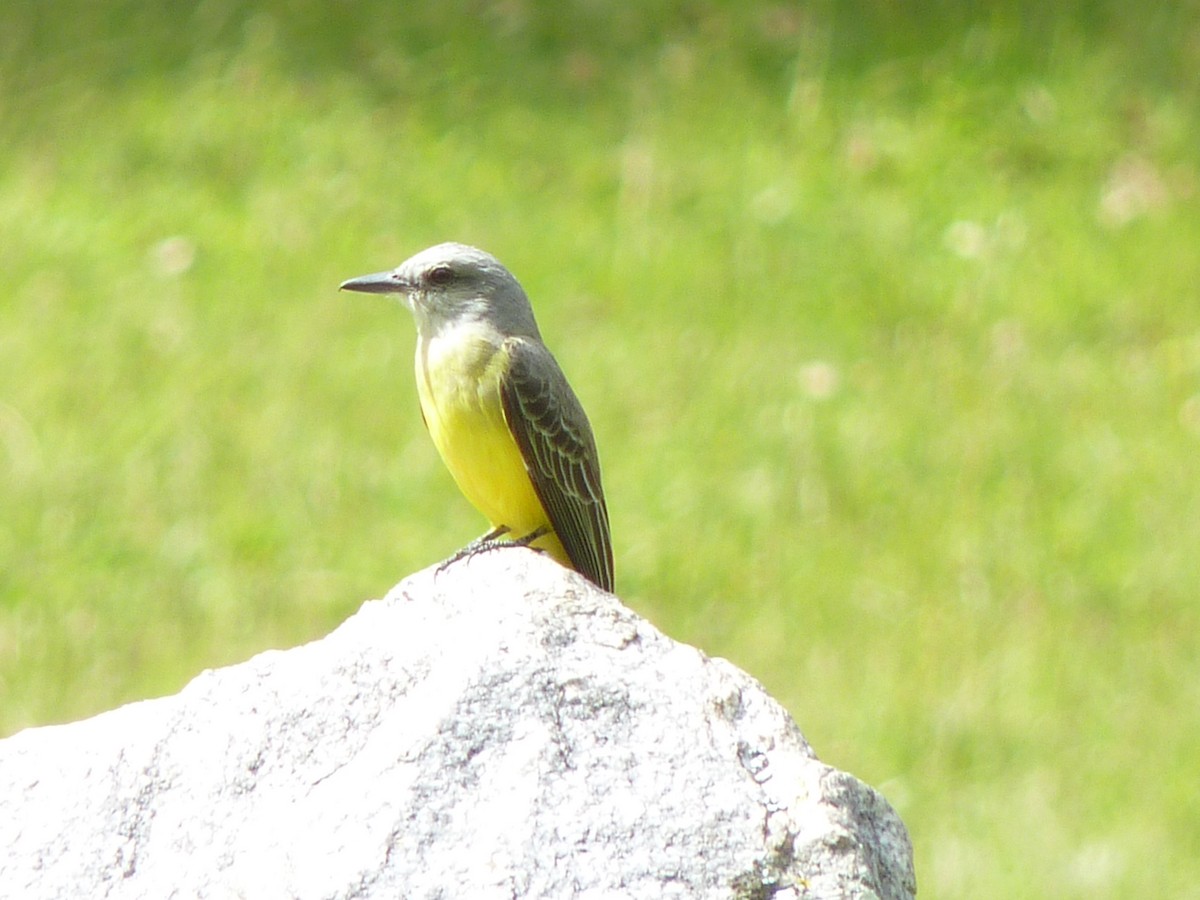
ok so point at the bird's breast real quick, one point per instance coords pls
(459, 380)
(458, 375)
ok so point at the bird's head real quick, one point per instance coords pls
(450, 284)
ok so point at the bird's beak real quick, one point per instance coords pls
(379, 283)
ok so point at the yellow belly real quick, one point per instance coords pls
(458, 381)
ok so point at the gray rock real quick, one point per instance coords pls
(501, 729)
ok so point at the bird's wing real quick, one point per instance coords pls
(552, 430)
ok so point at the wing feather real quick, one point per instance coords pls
(555, 438)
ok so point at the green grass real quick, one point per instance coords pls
(886, 318)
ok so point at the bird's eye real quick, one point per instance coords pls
(441, 275)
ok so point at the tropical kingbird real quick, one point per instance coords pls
(499, 409)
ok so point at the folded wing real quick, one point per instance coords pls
(552, 430)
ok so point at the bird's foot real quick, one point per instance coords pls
(494, 540)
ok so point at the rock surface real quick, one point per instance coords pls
(501, 729)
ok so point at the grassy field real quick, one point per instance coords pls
(887, 317)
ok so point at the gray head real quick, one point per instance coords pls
(453, 283)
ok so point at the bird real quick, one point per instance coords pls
(499, 409)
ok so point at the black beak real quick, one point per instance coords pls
(379, 283)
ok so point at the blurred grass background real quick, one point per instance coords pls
(887, 317)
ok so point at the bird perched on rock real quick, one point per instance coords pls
(499, 409)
